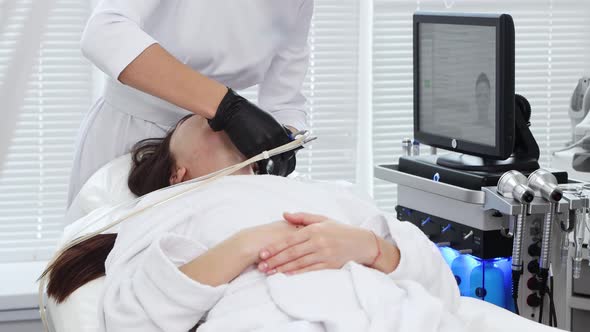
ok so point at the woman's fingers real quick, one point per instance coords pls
(284, 243)
(313, 267)
(303, 219)
(297, 264)
(287, 256)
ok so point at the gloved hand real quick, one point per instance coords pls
(253, 131)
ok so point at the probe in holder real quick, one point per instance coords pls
(545, 183)
(514, 184)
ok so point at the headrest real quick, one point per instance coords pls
(107, 187)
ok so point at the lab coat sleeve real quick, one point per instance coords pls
(157, 296)
(420, 260)
(113, 37)
(280, 92)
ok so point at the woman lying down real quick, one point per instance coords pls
(229, 256)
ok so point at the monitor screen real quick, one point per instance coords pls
(457, 92)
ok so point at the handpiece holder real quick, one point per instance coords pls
(578, 204)
(579, 234)
(525, 156)
(513, 183)
(545, 183)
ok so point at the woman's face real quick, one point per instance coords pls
(199, 151)
(482, 97)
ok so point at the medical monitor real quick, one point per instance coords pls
(464, 83)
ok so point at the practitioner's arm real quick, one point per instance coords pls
(116, 42)
(157, 72)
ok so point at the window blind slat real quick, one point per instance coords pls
(34, 179)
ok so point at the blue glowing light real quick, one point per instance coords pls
(485, 279)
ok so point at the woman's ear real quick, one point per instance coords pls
(178, 175)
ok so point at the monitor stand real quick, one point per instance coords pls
(524, 158)
(477, 164)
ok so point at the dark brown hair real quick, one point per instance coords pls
(84, 262)
(78, 265)
(152, 165)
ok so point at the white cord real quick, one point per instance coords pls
(191, 186)
(573, 145)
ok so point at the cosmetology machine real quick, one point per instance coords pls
(504, 226)
(575, 158)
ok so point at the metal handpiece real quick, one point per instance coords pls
(545, 184)
(517, 242)
(309, 139)
(546, 241)
(514, 184)
(307, 136)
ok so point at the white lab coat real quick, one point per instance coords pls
(145, 291)
(238, 43)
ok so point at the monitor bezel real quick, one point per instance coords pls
(505, 125)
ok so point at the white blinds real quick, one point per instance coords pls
(34, 180)
(552, 52)
(331, 88)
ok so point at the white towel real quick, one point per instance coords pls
(145, 291)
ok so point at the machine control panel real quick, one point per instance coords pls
(482, 244)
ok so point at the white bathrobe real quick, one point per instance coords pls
(145, 291)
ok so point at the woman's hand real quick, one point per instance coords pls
(325, 244)
(228, 259)
(254, 239)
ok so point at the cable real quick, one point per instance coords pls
(573, 145)
(515, 282)
(552, 302)
(542, 290)
(549, 291)
(552, 312)
(190, 186)
(516, 254)
(541, 311)
(550, 307)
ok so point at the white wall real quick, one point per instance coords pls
(20, 321)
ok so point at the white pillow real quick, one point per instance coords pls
(79, 312)
(107, 187)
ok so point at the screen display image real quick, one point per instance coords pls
(457, 70)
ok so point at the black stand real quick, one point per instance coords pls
(524, 158)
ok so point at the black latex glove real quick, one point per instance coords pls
(253, 131)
